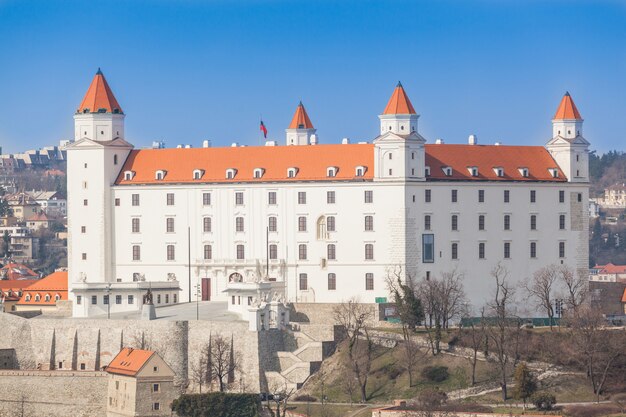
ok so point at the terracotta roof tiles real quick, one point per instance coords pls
(99, 97)
(399, 102)
(53, 284)
(301, 119)
(567, 109)
(129, 361)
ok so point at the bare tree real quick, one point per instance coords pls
(410, 356)
(474, 337)
(280, 395)
(348, 383)
(576, 287)
(503, 329)
(223, 361)
(354, 317)
(452, 296)
(198, 370)
(540, 288)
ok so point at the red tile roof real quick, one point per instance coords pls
(39, 217)
(399, 102)
(487, 157)
(301, 119)
(129, 361)
(567, 109)
(16, 271)
(611, 269)
(624, 296)
(53, 284)
(99, 96)
(10, 289)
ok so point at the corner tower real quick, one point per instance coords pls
(99, 116)
(301, 130)
(399, 149)
(568, 147)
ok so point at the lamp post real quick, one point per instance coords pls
(197, 301)
(108, 301)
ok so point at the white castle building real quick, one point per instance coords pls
(325, 221)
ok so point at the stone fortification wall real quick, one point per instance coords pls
(320, 313)
(53, 393)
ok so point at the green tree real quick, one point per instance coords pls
(5, 210)
(525, 383)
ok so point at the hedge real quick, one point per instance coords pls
(217, 404)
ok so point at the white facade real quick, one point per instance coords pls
(354, 231)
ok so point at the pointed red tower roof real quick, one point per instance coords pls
(399, 102)
(301, 119)
(567, 109)
(99, 97)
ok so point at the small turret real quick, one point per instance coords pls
(301, 130)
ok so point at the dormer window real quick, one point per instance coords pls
(360, 171)
(57, 297)
(499, 171)
(37, 297)
(27, 297)
(447, 171)
(198, 174)
(160, 175)
(331, 171)
(129, 175)
(258, 172)
(554, 172)
(523, 172)
(427, 171)
(473, 171)
(292, 172)
(231, 173)
(47, 298)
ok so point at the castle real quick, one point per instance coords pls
(325, 222)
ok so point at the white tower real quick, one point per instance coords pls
(399, 149)
(568, 147)
(94, 161)
(301, 130)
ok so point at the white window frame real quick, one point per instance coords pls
(331, 172)
(360, 170)
(292, 172)
(554, 172)
(198, 174)
(258, 172)
(160, 174)
(473, 171)
(231, 173)
(523, 171)
(129, 175)
(499, 171)
(447, 171)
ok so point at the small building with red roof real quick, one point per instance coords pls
(16, 271)
(11, 291)
(38, 220)
(44, 294)
(141, 384)
(608, 273)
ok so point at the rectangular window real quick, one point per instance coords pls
(206, 224)
(428, 248)
(169, 225)
(240, 252)
(171, 253)
(83, 229)
(302, 252)
(561, 249)
(369, 197)
(304, 284)
(562, 222)
(533, 249)
(455, 250)
(118, 299)
(533, 222)
(533, 196)
(332, 282)
(330, 223)
(369, 223)
(155, 387)
(301, 197)
(507, 196)
(481, 250)
(131, 299)
(239, 224)
(369, 281)
(331, 252)
(580, 197)
(117, 202)
(481, 196)
(455, 196)
(94, 299)
(135, 225)
(239, 198)
(369, 251)
(136, 253)
(156, 406)
(85, 202)
(507, 222)
(301, 224)
(455, 222)
(105, 299)
(330, 197)
(170, 199)
(481, 222)
(507, 250)
(135, 199)
(271, 198)
(84, 256)
(427, 222)
(79, 299)
(208, 252)
(273, 251)
(427, 196)
(206, 199)
(561, 196)
(272, 224)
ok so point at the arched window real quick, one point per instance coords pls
(57, 297)
(129, 175)
(197, 174)
(292, 172)
(160, 175)
(258, 172)
(322, 232)
(231, 173)
(37, 297)
(331, 171)
(28, 297)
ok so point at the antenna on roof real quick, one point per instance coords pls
(399, 84)
(99, 71)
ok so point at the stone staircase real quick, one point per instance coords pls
(302, 357)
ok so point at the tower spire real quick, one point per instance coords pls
(301, 130)
(399, 102)
(567, 109)
(99, 97)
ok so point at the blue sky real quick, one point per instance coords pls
(184, 71)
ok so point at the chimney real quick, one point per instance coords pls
(345, 141)
(234, 145)
(439, 141)
(270, 143)
(313, 139)
(206, 143)
(472, 140)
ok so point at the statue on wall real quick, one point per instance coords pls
(171, 276)
(147, 298)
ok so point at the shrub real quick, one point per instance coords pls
(435, 373)
(543, 401)
(217, 404)
(305, 398)
(432, 398)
